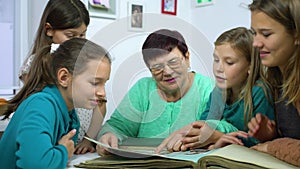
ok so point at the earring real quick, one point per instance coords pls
(189, 69)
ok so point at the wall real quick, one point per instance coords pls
(214, 19)
(199, 25)
(6, 42)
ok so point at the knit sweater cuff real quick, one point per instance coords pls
(286, 149)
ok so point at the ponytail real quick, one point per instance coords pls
(39, 76)
(76, 52)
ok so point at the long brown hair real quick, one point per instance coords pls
(73, 54)
(285, 12)
(60, 14)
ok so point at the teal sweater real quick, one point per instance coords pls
(144, 114)
(31, 138)
(229, 118)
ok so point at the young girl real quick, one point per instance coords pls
(63, 20)
(43, 129)
(275, 26)
(276, 34)
(240, 94)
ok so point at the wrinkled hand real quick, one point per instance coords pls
(195, 135)
(108, 139)
(230, 138)
(173, 142)
(263, 147)
(67, 141)
(200, 135)
(84, 146)
(262, 128)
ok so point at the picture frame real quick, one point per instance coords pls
(169, 7)
(107, 9)
(199, 3)
(136, 19)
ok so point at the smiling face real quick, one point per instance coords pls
(88, 88)
(276, 45)
(174, 73)
(229, 68)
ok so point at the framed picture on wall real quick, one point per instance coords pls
(203, 2)
(136, 10)
(169, 7)
(102, 8)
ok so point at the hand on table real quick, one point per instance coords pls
(84, 146)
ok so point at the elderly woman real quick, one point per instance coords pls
(159, 105)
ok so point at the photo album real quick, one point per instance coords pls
(139, 153)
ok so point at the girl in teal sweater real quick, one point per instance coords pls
(44, 127)
(239, 95)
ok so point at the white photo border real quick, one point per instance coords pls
(139, 24)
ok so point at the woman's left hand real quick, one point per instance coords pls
(195, 135)
(200, 135)
(173, 142)
(84, 146)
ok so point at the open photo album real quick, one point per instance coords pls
(139, 153)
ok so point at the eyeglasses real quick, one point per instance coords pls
(173, 64)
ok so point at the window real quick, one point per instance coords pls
(12, 43)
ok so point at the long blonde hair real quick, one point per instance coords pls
(241, 40)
